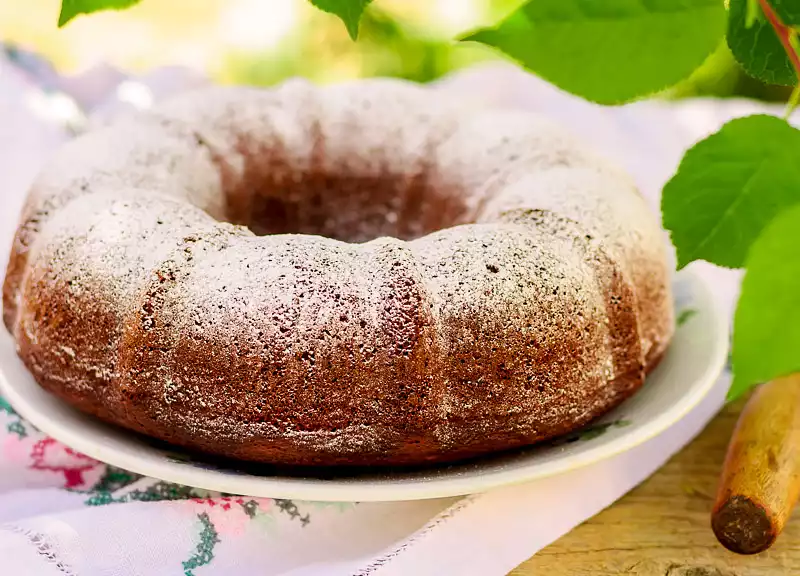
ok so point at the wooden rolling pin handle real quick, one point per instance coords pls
(760, 480)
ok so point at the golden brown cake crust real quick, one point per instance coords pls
(359, 274)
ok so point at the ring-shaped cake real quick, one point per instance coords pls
(360, 274)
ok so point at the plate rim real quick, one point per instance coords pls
(337, 490)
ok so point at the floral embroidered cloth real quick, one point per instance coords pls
(62, 513)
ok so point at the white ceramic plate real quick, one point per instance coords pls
(694, 360)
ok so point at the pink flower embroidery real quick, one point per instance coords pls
(48, 454)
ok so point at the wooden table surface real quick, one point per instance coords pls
(662, 527)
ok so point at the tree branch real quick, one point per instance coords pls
(785, 34)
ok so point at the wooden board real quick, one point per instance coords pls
(662, 527)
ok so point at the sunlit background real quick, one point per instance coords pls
(265, 41)
(256, 41)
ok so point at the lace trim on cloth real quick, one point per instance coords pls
(420, 534)
(43, 547)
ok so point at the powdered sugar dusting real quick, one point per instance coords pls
(608, 205)
(135, 304)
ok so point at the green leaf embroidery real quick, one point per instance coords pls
(755, 45)
(251, 508)
(290, 508)
(611, 51)
(766, 336)
(72, 8)
(349, 11)
(6, 407)
(204, 553)
(18, 428)
(157, 492)
(729, 187)
(114, 479)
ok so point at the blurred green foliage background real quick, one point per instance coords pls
(265, 41)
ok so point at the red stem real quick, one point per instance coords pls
(784, 33)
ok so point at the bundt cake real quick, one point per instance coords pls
(360, 274)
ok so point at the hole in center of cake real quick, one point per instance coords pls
(350, 208)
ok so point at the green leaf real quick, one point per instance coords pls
(349, 11)
(729, 187)
(766, 335)
(610, 51)
(72, 8)
(756, 46)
